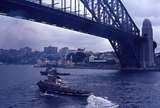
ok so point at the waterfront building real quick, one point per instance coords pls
(104, 58)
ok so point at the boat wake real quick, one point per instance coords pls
(48, 95)
(99, 102)
(94, 101)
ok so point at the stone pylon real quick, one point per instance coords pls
(147, 45)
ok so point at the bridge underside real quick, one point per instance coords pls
(122, 42)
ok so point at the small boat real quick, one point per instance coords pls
(61, 74)
(53, 72)
(50, 87)
(43, 73)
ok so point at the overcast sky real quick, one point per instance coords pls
(16, 33)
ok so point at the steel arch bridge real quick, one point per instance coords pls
(104, 18)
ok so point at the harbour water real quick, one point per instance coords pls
(111, 89)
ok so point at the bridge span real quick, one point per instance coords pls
(103, 18)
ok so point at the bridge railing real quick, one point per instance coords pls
(70, 6)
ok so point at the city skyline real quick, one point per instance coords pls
(27, 33)
(58, 49)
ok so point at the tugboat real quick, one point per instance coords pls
(55, 85)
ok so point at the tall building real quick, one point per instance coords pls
(50, 50)
(147, 54)
(63, 51)
(25, 50)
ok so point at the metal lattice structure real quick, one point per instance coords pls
(111, 12)
(105, 18)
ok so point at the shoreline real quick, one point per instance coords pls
(89, 67)
(107, 67)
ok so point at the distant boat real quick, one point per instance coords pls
(52, 70)
(53, 73)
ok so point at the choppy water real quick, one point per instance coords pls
(112, 89)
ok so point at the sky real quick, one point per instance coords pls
(17, 33)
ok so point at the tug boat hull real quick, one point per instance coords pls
(49, 88)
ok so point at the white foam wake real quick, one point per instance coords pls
(46, 94)
(99, 102)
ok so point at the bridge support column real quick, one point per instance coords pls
(147, 47)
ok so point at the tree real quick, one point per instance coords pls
(78, 57)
